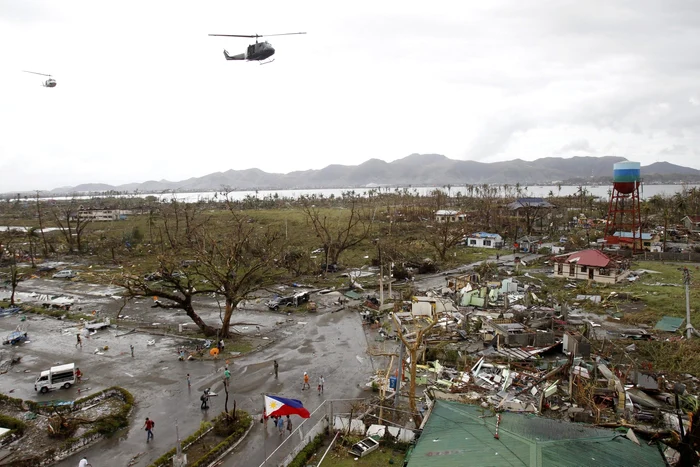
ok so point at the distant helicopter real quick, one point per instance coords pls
(49, 83)
(256, 52)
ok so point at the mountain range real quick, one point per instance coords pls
(413, 170)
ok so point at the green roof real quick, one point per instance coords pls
(457, 434)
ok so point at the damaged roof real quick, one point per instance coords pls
(457, 434)
(592, 258)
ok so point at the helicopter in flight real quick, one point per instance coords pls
(256, 52)
(49, 83)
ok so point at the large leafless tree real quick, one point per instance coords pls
(342, 230)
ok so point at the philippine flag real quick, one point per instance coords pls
(279, 406)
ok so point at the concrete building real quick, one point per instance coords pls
(484, 240)
(590, 265)
(446, 215)
(95, 214)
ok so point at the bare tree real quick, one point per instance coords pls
(41, 225)
(412, 342)
(443, 236)
(9, 249)
(71, 224)
(338, 233)
(238, 263)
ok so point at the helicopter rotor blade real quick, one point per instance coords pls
(236, 35)
(35, 73)
(285, 34)
(255, 36)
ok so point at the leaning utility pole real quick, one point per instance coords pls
(686, 281)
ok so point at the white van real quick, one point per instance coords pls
(65, 274)
(61, 376)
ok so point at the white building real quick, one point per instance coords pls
(484, 240)
(92, 214)
(446, 215)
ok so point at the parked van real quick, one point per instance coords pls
(65, 274)
(62, 376)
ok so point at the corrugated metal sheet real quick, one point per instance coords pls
(669, 324)
(463, 435)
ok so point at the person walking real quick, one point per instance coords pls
(131, 346)
(227, 377)
(205, 399)
(289, 425)
(320, 384)
(277, 367)
(78, 375)
(79, 342)
(189, 384)
(280, 425)
(148, 426)
(84, 463)
(305, 384)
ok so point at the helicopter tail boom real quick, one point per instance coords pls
(234, 57)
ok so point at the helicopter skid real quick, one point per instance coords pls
(269, 61)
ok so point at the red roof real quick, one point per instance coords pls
(592, 258)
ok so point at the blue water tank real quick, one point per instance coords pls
(626, 176)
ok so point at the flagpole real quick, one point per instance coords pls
(264, 429)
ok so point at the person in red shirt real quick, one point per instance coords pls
(149, 428)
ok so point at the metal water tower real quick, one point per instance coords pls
(624, 214)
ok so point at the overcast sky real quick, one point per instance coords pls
(143, 93)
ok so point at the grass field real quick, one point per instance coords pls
(663, 300)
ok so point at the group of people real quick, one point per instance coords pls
(279, 422)
(307, 385)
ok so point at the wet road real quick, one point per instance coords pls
(332, 344)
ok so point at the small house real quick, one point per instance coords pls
(692, 223)
(484, 240)
(529, 244)
(641, 241)
(529, 203)
(447, 215)
(590, 265)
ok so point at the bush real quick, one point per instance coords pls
(224, 426)
(165, 458)
(309, 450)
(15, 425)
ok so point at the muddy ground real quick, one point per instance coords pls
(328, 342)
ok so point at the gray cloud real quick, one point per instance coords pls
(579, 145)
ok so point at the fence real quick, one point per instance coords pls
(307, 431)
(657, 256)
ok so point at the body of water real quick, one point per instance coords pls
(601, 191)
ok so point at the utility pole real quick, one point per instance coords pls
(180, 459)
(399, 375)
(686, 281)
